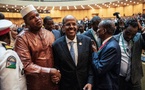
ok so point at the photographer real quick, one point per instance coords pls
(119, 23)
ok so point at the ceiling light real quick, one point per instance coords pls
(75, 7)
(45, 8)
(53, 8)
(90, 6)
(38, 7)
(67, 7)
(82, 7)
(60, 8)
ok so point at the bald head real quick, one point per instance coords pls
(108, 25)
(68, 17)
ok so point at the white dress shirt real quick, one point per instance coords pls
(74, 46)
(125, 55)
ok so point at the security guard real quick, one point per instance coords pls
(11, 68)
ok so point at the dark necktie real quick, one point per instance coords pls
(72, 51)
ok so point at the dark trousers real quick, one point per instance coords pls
(127, 85)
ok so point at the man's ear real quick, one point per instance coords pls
(105, 30)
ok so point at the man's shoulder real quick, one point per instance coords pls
(87, 32)
(56, 31)
(59, 40)
(117, 36)
(83, 36)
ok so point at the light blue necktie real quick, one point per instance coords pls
(72, 51)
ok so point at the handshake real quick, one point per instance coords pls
(55, 75)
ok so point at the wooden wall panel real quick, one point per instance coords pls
(58, 15)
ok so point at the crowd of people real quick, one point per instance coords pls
(84, 55)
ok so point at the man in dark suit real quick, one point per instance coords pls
(131, 44)
(92, 32)
(75, 70)
(106, 61)
(49, 25)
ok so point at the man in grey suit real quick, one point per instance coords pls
(131, 44)
(74, 65)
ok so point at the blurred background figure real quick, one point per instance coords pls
(92, 32)
(119, 23)
(13, 34)
(81, 29)
(48, 23)
(2, 16)
(56, 26)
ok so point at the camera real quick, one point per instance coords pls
(119, 23)
(117, 14)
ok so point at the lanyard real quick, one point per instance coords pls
(124, 47)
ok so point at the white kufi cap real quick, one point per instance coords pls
(27, 9)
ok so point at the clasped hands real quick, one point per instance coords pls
(55, 75)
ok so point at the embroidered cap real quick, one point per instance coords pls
(26, 10)
(4, 26)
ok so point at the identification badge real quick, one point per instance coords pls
(11, 62)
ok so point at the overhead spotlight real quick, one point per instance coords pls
(53, 8)
(38, 7)
(82, 7)
(91, 7)
(45, 8)
(60, 8)
(75, 7)
(67, 7)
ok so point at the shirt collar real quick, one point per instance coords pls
(68, 40)
(131, 41)
(107, 39)
(2, 42)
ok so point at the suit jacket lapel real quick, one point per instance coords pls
(66, 51)
(106, 44)
(80, 47)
